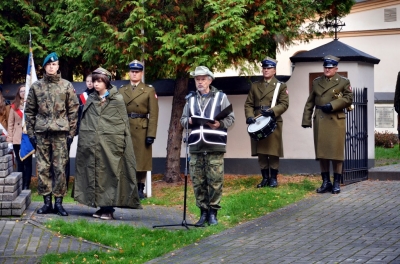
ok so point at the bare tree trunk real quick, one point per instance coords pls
(173, 168)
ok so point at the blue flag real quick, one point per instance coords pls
(26, 146)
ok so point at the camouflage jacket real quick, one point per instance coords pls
(52, 105)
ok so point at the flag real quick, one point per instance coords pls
(26, 146)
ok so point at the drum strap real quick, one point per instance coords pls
(275, 94)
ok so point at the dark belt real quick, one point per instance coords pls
(136, 115)
(262, 107)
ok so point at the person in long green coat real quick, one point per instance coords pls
(259, 102)
(105, 174)
(142, 109)
(330, 95)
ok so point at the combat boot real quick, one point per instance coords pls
(336, 183)
(140, 190)
(58, 208)
(47, 207)
(326, 183)
(265, 178)
(203, 218)
(212, 218)
(273, 182)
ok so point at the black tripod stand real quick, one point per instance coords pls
(184, 223)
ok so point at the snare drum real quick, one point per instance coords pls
(262, 128)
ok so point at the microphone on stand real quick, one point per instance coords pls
(190, 94)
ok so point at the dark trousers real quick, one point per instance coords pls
(24, 166)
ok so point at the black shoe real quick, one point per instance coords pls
(326, 183)
(273, 182)
(47, 208)
(203, 218)
(336, 183)
(265, 178)
(141, 190)
(58, 208)
(212, 218)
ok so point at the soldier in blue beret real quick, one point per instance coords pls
(142, 108)
(51, 114)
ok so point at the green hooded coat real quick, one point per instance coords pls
(105, 173)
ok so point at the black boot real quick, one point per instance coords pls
(212, 217)
(326, 183)
(58, 208)
(140, 190)
(47, 207)
(203, 218)
(273, 182)
(336, 183)
(265, 178)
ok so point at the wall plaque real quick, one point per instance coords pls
(384, 117)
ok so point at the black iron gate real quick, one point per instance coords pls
(355, 167)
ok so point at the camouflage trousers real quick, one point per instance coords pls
(52, 154)
(207, 174)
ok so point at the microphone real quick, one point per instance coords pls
(190, 94)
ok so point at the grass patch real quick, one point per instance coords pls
(387, 156)
(241, 202)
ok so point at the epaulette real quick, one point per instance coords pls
(149, 85)
(319, 77)
(343, 77)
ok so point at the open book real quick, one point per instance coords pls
(200, 121)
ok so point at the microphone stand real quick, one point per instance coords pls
(186, 140)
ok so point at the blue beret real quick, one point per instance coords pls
(269, 63)
(331, 61)
(51, 57)
(136, 65)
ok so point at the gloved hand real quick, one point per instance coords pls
(326, 108)
(149, 140)
(69, 141)
(268, 112)
(306, 126)
(33, 141)
(397, 107)
(250, 120)
(10, 147)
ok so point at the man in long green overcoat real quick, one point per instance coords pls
(259, 102)
(330, 95)
(142, 108)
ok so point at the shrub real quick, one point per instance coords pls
(385, 139)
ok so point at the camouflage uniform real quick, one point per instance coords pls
(51, 116)
(207, 159)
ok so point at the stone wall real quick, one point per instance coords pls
(13, 201)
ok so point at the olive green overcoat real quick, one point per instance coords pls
(142, 100)
(261, 94)
(329, 128)
(105, 172)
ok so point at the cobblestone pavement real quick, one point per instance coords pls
(25, 239)
(359, 225)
